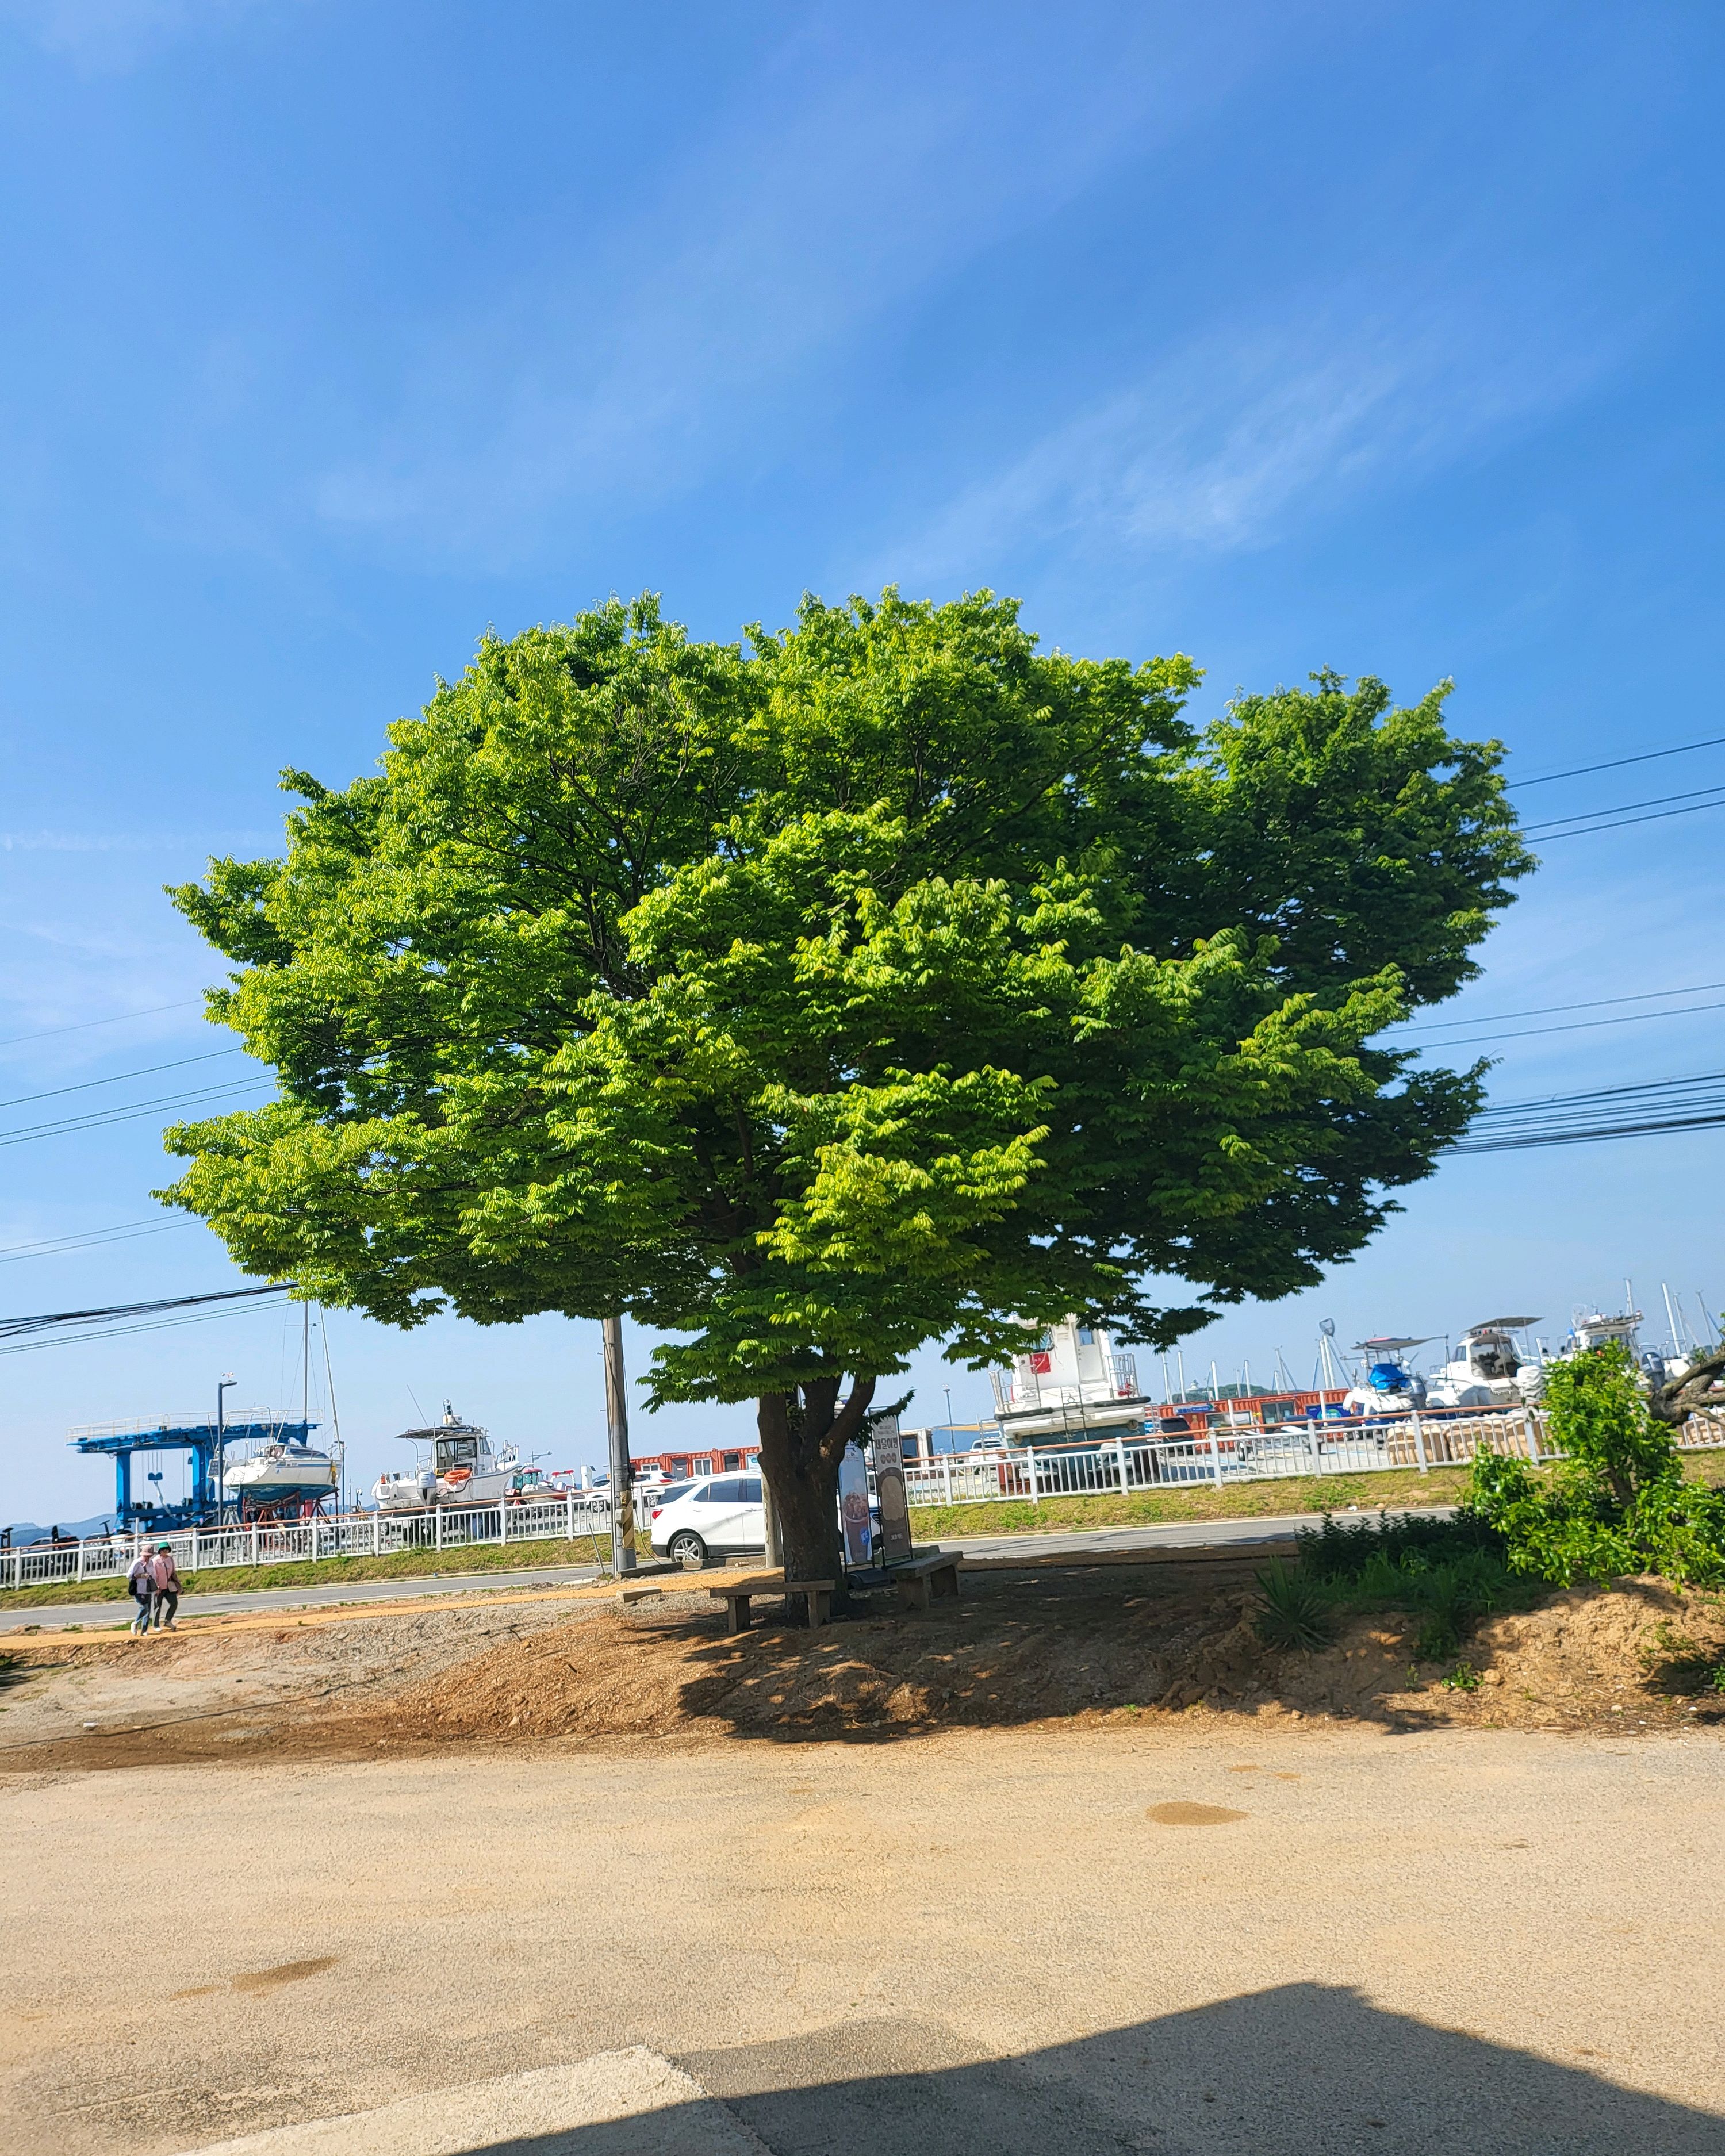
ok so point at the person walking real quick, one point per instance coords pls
(167, 1578)
(140, 1585)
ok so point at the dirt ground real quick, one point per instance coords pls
(1077, 1644)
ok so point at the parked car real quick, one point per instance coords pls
(723, 1517)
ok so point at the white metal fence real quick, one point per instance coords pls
(582, 1512)
(1225, 1455)
(1222, 1456)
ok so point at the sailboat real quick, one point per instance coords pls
(288, 1472)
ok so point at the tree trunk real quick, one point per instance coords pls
(803, 1439)
(1674, 1402)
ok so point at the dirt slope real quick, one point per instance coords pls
(1016, 1649)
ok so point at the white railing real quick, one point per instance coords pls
(578, 1513)
(1225, 1455)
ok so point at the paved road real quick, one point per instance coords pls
(1188, 1534)
(1225, 1937)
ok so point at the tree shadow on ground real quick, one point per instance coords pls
(1020, 1647)
(1308, 2069)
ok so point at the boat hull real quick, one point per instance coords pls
(406, 1494)
(291, 1478)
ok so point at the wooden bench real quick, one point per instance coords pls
(919, 1579)
(817, 1594)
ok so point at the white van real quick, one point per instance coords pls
(722, 1517)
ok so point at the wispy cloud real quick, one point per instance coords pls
(1219, 446)
(105, 36)
(835, 191)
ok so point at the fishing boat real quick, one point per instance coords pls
(458, 1467)
(1488, 1370)
(1387, 1386)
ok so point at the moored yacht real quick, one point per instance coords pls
(458, 1467)
(1489, 1370)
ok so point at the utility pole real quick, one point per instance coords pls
(622, 1517)
(221, 1440)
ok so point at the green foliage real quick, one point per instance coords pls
(1451, 1571)
(1463, 1677)
(1597, 1412)
(1294, 1611)
(1389, 1548)
(1617, 1502)
(883, 979)
(1453, 1598)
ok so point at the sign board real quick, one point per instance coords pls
(886, 1457)
(854, 1509)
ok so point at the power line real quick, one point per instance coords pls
(124, 1115)
(1594, 1003)
(1577, 1025)
(1589, 1134)
(1604, 1093)
(1603, 1112)
(56, 1246)
(1549, 838)
(53, 1032)
(1616, 763)
(118, 1332)
(1622, 807)
(11, 1328)
(149, 1070)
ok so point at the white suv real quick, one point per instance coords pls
(720, 1517)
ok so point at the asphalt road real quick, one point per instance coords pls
(1190, 1534)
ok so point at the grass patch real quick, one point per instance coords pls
(1395, 1488)
(1197, 1501)
(331, 1571)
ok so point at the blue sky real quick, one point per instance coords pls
(1380, 337)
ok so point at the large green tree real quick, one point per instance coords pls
(883, 980)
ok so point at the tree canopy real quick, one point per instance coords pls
(883, 979)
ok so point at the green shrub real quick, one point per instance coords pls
(1391, 1546)
(1617, 1501)
(1452, 1572)
(1293, 1607)
(1454, 1598)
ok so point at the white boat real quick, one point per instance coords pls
(1488, 1370)
(1070, 1379)
(288, 1472)
(1387, 1386)
(459, 1468)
